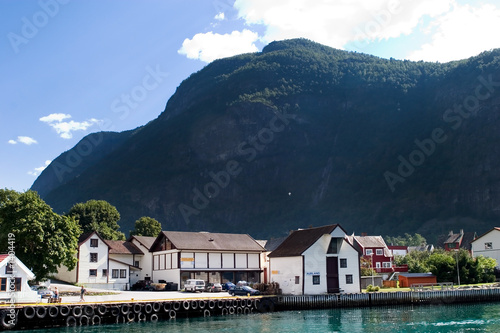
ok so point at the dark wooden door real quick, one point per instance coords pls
(332, 275)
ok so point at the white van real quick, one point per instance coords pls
(194, 285)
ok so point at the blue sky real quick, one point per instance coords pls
(72, 67)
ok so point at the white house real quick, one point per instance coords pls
(14, 277)
(144, 244)
(487, 245)
(316, 261)
(103, 263)
(213, 257)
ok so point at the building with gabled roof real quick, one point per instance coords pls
(487, 245)
(14, 277)
(212, 257)
(106, 264)
(316, 261)
(144, 244)
(374, 249)
(461, 240)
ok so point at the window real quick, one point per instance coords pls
(136, 263)
(93, 272)
(368, 252)
(94, 242)
(297, 280)
(333, 246)
(343, 263)
(8, 268)
(380, 252)
(7, 285)
(488, 246)
(316, 279)
(348, 279)
(114, 273)
(386, 264)
(104, 272)
(123, 273)
(93, 257)
(377, 265)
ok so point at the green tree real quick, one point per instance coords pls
(406, 240)
(43, 240)
(443, 265)
(100, 216)
(366, 267)
(416, 261)
(146, 226)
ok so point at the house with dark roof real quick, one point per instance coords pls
(316, 261)
(104, 263)
(487, 245)
(212, 257)
(461, 240)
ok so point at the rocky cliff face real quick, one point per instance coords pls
(301, 135)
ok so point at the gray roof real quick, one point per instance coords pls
(416, 274)
(371, 242)
(122, 247)
(146, 241)
(207, 241)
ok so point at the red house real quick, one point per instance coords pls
(461, 240)
(375, 249)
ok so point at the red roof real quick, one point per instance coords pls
(3, 256)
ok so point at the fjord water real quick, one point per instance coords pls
(483, 317)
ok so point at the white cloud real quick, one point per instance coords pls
(461, 33)
(39, 170)
(23, 139)
(65, 129)
(55, 117)
(210, 46)
(336, 23)
(220, 16)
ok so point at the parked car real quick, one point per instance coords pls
(228, 285)
(142, 285)
(214, 287)
(43, 291)
(243, 291)
(194, 285)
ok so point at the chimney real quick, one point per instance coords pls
(364, 234)
(461, 231)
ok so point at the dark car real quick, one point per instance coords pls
(214, 287)
(228, 285)
(243, 291)
(142, 285)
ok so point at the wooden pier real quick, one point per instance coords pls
(46, 315)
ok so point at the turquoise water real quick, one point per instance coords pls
(483, 317)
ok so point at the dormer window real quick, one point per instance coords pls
(333, 247)
(94, 242)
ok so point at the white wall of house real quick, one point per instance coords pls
(118, 276)
(285, 270)
(64, 274)
(85, 265)
(488, 246)
(146, 262)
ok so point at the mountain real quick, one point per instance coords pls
(302, 134)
